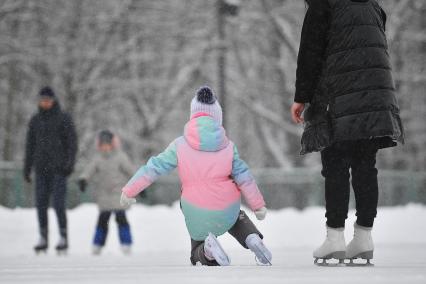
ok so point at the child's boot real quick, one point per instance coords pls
(125, 238)
(255, 244)
(126, 249)
(96, 249)
(214, 251)
(99, 240)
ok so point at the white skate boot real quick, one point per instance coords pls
(41, 246)
(126, 249)
(255, 244)
(96, 250)
(213, 250)
(361, 245)
(62, 246)
(334, 247)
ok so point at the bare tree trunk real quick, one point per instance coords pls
(9, 134)
(221, 58)
(71, 57)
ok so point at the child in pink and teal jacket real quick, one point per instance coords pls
(213, 179)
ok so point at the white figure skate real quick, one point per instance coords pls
(255, 244)
(361, 246)
(214, 250)
(96, 250)
(41, 246)
(126, 249)
(62, 246)
(334, 247)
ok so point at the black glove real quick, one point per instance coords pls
(82, 184)
(67, 170)
(27, 177)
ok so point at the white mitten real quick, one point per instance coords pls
(260, 213)
(126, 201)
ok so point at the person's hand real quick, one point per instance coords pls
(260, 213)
(27, 178)
(82, 184)
(126, 201)
(296, 112)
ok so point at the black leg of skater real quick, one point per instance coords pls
(198, 256)
(101, 231)
(124, 233)
(42, 196)
(246, 233)
(364, 182)
(336, 163)
(365, 185)
(242, 228)
(59, 192)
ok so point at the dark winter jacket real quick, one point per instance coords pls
(344, 67)
(51, 144)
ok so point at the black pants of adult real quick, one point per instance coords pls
(241, 229)
(51, 185)
(341, 161)
(101, 231)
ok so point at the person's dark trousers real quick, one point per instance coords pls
(51, 184)
(101, 231)
(241, 229)
(359, 157)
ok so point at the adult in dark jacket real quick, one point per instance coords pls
(344, 73)
(51, 148)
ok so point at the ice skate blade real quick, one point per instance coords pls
(354, 264)
(40, 251)
(263, 260)
(360, 264)
(363, 255)
(61, 252)
(339, 255)
(324, 263)
(367, 255)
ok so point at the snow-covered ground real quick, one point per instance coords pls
(161, 250)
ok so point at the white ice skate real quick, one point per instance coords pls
(62, 246)
(96, 250)
(255, 244)
(214, 250)
(361, 246)
(334, 247)
(126, 249)
(41, 246)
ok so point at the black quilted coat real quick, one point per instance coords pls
(355, 95)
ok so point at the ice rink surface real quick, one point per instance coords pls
(161, 250)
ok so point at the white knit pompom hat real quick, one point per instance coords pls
(205, 101)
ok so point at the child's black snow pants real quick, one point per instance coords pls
(241, 229)
(360, 157)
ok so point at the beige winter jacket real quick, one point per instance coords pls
(107, 173)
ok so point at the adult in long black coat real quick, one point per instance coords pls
(51, 148)
(344, 74)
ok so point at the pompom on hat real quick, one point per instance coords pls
(205, 101)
